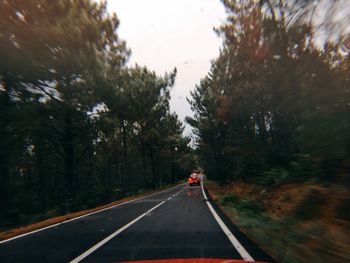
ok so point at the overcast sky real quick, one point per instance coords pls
(164, 34)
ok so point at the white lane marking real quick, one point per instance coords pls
(114, 234)
(237, 245)
(89, 214)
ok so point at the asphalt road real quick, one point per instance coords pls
(176, 223)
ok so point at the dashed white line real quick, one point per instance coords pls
(76, 218)
(237, 245)
(115, 233)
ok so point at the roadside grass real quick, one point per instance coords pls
(292, 223)
(241, 204)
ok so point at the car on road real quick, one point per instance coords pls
(194, 179)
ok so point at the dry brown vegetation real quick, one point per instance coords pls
(297, 223)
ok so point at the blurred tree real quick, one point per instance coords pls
(77, 126)
(271, 93)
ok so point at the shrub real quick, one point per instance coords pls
(249, 205)
(242, 204)
(229, 199)
(302, 168)
(273, 176)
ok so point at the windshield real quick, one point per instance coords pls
(174, 131)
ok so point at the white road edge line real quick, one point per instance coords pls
(89, 214)
(237, 245)
(114, 234)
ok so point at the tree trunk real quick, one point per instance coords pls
(116, 164)
(124, 172)
(144, 166)
(41, 174)
(4, 147)
(154, 174)
(172, 166)
(69, 157)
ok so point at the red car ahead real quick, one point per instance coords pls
(194, 179)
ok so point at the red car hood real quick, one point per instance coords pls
(192, 260)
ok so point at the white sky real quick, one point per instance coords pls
(164, 34)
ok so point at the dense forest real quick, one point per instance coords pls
(275, 106)
(78, 127)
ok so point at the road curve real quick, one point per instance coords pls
(173, 224)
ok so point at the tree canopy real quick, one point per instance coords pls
(273, 98)
(78, 126)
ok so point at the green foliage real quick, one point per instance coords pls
(249, 205)
(273, 177)
(302, 168)
(229, 199)
(242, 204)
(273, 100)
(75, 122)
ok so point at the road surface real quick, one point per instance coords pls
(177, 223)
